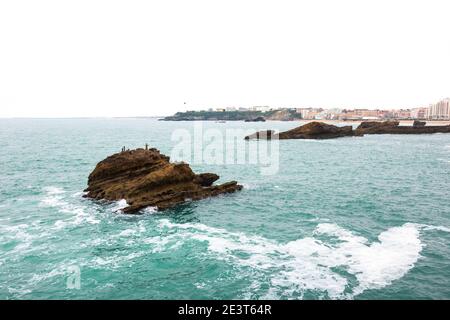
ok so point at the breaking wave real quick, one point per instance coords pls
(312, 263)
(76, 213)
(120, 205)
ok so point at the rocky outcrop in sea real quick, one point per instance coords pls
(320, 130)
(147, 178)
(393, 127)
(311, 130)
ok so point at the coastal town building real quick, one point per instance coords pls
(358, 114)
(440, 110)
(437, 111)
(419, 113)
(401, 114)
(309, 113)
(261, 108)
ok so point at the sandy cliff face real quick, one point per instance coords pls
(146, 178)
(281, 115)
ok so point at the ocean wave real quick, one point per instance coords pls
(113, 261)
(443, 160)
(19, 233)
(137, 230)
(120, 205)
(149, 210)
(51, 190)
(55, 197)
(249, 186)
(427, 227)
(311, 263)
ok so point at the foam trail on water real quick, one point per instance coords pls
(431, 228)
(310, 263)
(55, 198)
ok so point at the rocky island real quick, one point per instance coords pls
(311, 130)
(147, 178)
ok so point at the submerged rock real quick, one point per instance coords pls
(311, 130)
(147, 178)
(393, 127)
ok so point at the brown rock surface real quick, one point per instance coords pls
(392, 127)
(311, 130)
(146, 178)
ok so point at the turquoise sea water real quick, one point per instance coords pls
(349, 218)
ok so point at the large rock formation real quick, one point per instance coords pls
(311, 130)
(146, 178)
(320, 130)
(392, 127)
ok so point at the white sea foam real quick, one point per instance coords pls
(77, 213)
(19, 233)
(53, 190)
(150, 210)
(38, 277)
(310, 263)
(430, 228)
(200, 285)
(249, 186)
(114, 261)
(127, 232)
(19, 291)
(120, 205)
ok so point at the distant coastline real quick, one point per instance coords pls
(281, 115)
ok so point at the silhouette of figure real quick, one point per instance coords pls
(146, 146)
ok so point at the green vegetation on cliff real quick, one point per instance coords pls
(284, 114)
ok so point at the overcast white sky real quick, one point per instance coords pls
(138, 58)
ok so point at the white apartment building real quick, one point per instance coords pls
(419, 113)
(261, 108)
(440, 110)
